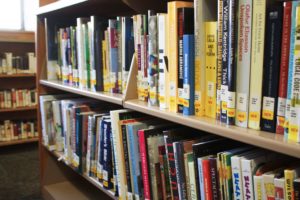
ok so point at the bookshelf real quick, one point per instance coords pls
(59, 176)
(18, 43)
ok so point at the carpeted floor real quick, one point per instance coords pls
(19, 172)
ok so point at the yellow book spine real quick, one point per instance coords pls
(289, 186)
(173, 51)
(199, 59)
(211, 68)
(257, 57)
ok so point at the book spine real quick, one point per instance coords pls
(78, 146)
(236, 178)
(219, 58)
(284, 67)
(193, 191)
(296, 190)
(126, 159)
(291, 70)
(188, 75)
(214, 178)
(257, 53)
(162, 61)
(144, 163)
(172, 167)
(268, 181)
(225, 61)
(199, 59)
(211, 68)
(271, 69)
(207, 179)
(221, 174)
(289, 184)
(258, 185)
(113, 55)
(247, 179)
(279, 188)
(87, 55)
(121, 50)
(243, 62)
(177, 155)
(107, 158)
(231, 71)
(162, 172)
(294, 124)
(201, 179)
(153, 59)
(89, 147)
(180, 78)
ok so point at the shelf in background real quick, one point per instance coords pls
(271, 141)
(18, 109)
(21, 141)
(17, 75)
(98, 185)
(17, 36)
(83, 7)
(108, 97)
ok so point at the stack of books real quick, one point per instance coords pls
(17, 98)
(10, 64)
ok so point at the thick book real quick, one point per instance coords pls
(163, 81)
(271, 68)
(284, 67)
(173, 50)
(257, 55)
(188, 57)
(210, 68)
(289, 176)
(152, 59)
(207, 178)
(243, 62)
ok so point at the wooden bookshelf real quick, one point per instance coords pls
(28, 108)
(113, 98)
(17, 36)
(16, 142)
(29, 75)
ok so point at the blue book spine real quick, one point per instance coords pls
(107, 157)
(101, 150)
(113, 56)
(78, 134)
(291, 67)
(189, 74)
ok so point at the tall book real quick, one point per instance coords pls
(289, 176)
(210, 68)
(243, 62)
(284, 66)
(186, 71)
(257, 54)
(279, 188)
(271, 68)
(113, 54)
(173, 50)
(163, 81)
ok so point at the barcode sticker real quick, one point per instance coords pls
(231, 100)
(173, 88)
(210, 89)
(294, 124)
(268, 108)
(224, 91)
(242, 101)
(186, 91)
(281, 106)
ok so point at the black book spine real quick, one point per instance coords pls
(271, 68)
(107, 161)
(78, 135)
(225, 52)
(231, 73)
(126, 158)
(179, 164)
(296, 190)
(214, 178)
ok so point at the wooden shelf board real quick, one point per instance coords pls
(18, 109)
(16, 75)
(17, 36)
(108, 97)
(271, 141)
(98, 185)
(21, 141)
(58, 5)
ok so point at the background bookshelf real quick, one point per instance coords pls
(55, 174)
(18, 43)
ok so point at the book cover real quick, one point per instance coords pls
(152, 59)
(214, 178)
(107, 155)
(113, 54)
(268, 182)
(166, 192)
(284, 67)
(187, 173)
(173, 50)
(188, 68)
(289, 176)
(257, 54)
(207, 178)
(210, 69)
(279, 188)
(297, 189)
(271, 68)
(243, 62)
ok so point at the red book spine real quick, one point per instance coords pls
(284, 67)
(207, 179)
(144, 161)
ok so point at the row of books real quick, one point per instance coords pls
(95, 54)
(17, 98)
(17, 130)
(139, 157)
(10, 64)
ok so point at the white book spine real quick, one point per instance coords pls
(247, 168)
(192, 181)
(243, 61)
(258, 187)
(279, 189)
(201, 178)
(237, 178)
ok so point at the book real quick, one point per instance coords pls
(173, 50)
(271, 68)
(205, 178)
(257, 54)
(152, 59)
(186, 62)
(296, 188)
(268, 182)
(243, 62)
(289, 176)
(279, 188)
(210, 68)
(214, 178)
(113, 55)
(166, 191)
(284, 67)
(163, 86)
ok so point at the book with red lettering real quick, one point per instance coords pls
(143, 135)
(284, 66)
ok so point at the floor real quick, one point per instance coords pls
(19, 172)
